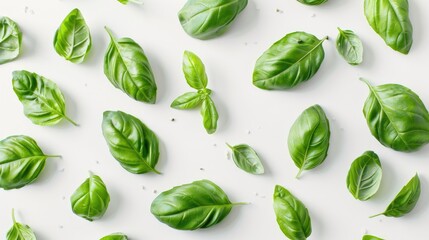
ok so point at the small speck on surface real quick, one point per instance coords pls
(201, 169)
(86, 84)
(313, 15)
(256, 194)
(228, 155)
(61, 226)
(279, 10)
(64, 198)
(246, 43)
(97, 162)
(249, 132)
(214, 144)
(155, 191)
(143, 188)
(172, 119)
(61, 170)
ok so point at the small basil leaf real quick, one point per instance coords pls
(405, 200)
(293, 59)
(200, 204)
(396, 117)
(210, 115)
(364, 177)
(369, 237)
(308, 139)
(188, 100)
(292, 216)
(115, 236)
(350, 46)
(130, 142)
(312, 2)
(390, 19)
(21, 161)
(91, 199)
(19, 231)
(73, 39)
(205, 19)
(125, 2)
(43, 101)
(10, 40)
(194, 70)
(128, 69)
(246, 159)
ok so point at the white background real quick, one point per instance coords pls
(247, 115)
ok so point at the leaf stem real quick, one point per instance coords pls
(109, 32)
(376, 215)
(240, 203)
(298, 175)
(13, 215)
(71, 121)
(53, 156)
(232, 148)
(156, 171)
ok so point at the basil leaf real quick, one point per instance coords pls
(205, 19)
(210, 115)
(405, 201)
(128, 69)
(308, 139)
(130, 1)
(312, 2)
(369, 237)
(246, 159)
(21, 161)
(350, 46)
(200, 204)
(19, 231)
(115, 236)
(390, 20)
(42, 99)
(73, 39)
(133, 144)
(293, 59)
(188, 100)
(10, 40)
(91, 199)
(364, 177)
(292, 216)
(194, 70)
(396, 117)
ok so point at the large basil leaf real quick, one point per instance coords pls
(293, 59)
(390, 20)
(370, 237)
(91, 199)
(312, 2)
(210, 115)
(292, 216)
(246, 159)
(133, 144)
(405, 200)
(19, 231)
(308, 139)
(200, 204)
(21, 161)
(115, 236)
(364, 177)
(194, 70)
(73, 39)
(188, 100)
(42, 99)
(128, 69)
(10, 40)
(350, 46)
(396, 117)
(205, 19)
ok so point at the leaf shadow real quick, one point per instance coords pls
(29, 44)
(419, 29)
(223, 122)
(163, 156)
(385, 188)
(160, 77)
(96, 52)
(114, 205)
(245, 21)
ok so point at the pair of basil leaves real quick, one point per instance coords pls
(10, 40)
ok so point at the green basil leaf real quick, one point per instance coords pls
(292, 216)
(210, 115)
(200, 204)
(73, 39)
(396, 117)
(369, 237)
(312, 2)
(128, 69)
(10, 40)
(115, 236)
(364, 177)
(130, 1)
(205, 19)
(188, 100)
(194, 70)
(91, 199)
(293, 59)
(133, 144)
(390, 20)
(350, 46)
(246, 159)
(42, 99)
(405, 200)
(19, 231)
(308, 139)
(21, 161)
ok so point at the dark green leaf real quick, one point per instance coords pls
(210, 115)
(364, 177)
(369, 237)
(91, 199)
(200, 204)
(312, 2)
(390, 20)
(19, 231)
(308, 139)
(350, 46)
(128, 69)
(247, 159)
(187, 101)
(10, 40)
(115, 236)
(194, 70)
(292, 216)
(133, 144)
(205, 19)
(396, 117)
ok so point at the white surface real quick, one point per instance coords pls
(247, 115)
